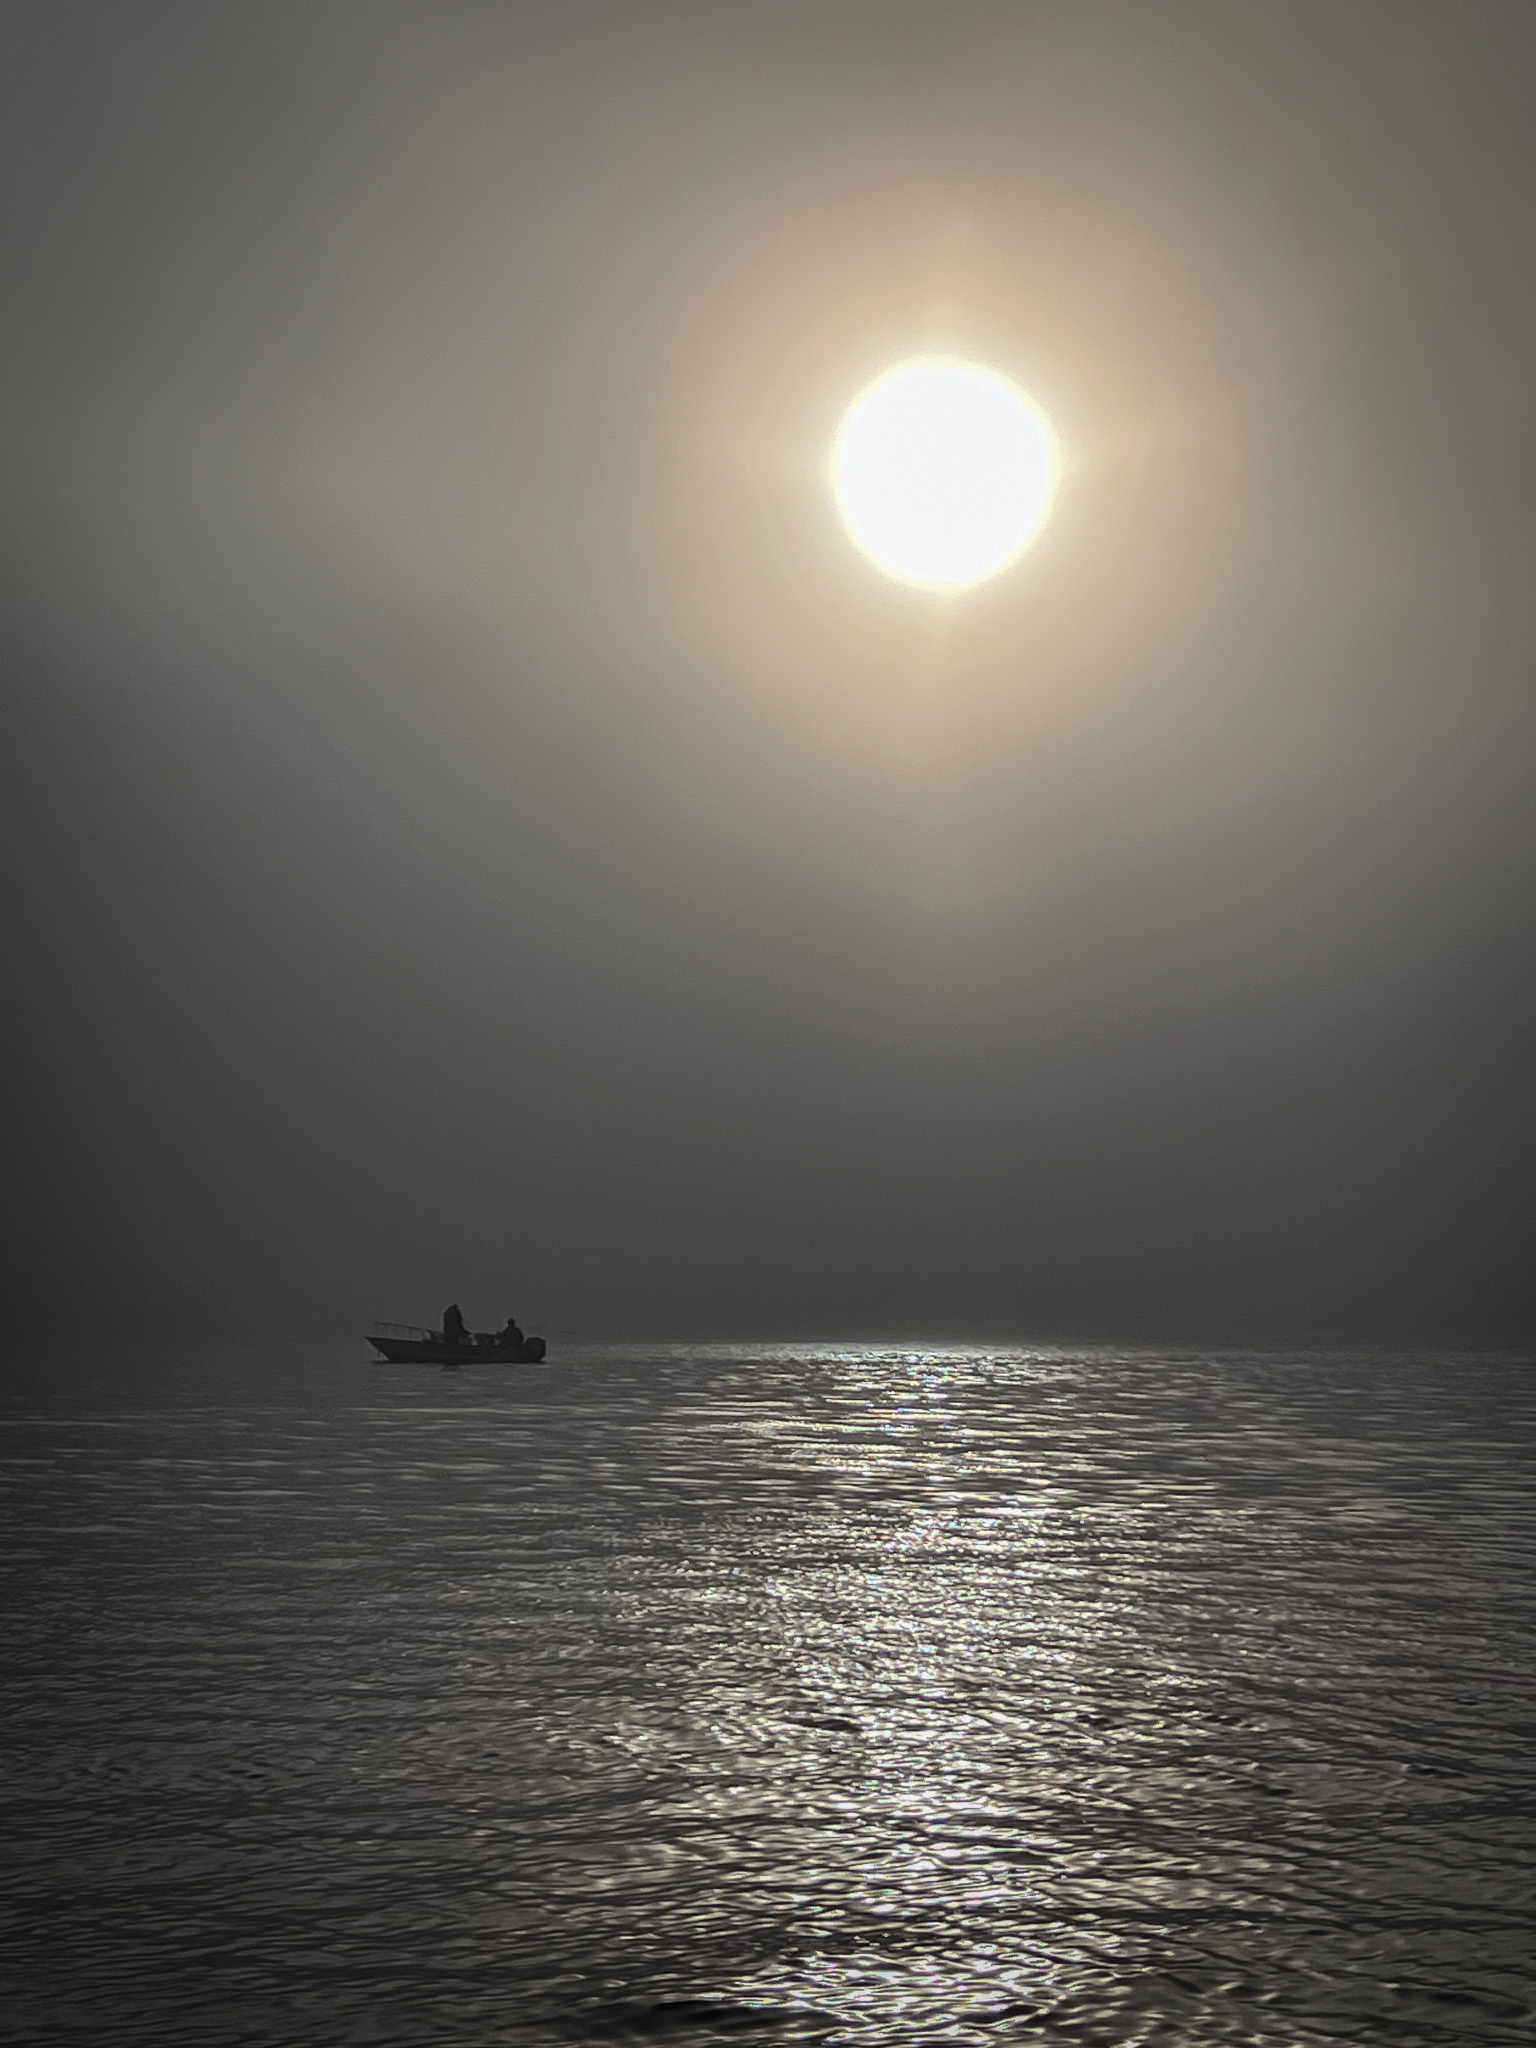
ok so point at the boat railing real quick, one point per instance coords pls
(409, 1332)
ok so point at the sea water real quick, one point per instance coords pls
(832, 1693)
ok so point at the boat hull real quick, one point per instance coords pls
(422, 1351)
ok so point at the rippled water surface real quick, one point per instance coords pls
(843, 1695)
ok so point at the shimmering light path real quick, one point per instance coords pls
(848, 1696)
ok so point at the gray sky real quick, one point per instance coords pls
(482, 831)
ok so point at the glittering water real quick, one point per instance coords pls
(841, 1695)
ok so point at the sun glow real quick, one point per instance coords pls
(943, 472)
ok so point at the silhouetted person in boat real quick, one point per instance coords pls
(511, 1336)
(454, 1331)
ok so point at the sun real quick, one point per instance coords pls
(943, 472)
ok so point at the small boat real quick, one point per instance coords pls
(405, 1344)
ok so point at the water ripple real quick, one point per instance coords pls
(847, 1695)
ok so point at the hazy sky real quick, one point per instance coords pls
(482, 831)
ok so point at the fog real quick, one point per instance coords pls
(479, 828)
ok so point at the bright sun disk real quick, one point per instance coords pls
(943, 472)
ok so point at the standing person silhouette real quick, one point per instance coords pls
(454, 1331)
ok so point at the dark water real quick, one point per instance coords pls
(849, 1696)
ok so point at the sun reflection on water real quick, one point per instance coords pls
(946, 1648)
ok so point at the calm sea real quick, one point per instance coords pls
(833, 1694)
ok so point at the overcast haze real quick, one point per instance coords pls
(480, 829)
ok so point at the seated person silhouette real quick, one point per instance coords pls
(510, 1336)
(454, 1331)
